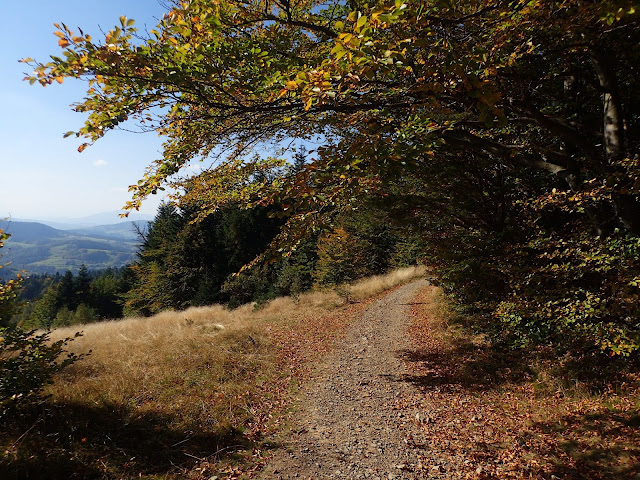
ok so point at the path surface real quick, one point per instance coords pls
(351, 424)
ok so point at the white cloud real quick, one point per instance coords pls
(194, 168)
(100, 163)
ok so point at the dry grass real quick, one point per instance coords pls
(160, 363)
(379, 283)
(178, 389)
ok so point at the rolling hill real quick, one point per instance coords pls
(38, 248)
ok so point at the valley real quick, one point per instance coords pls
(38, 248)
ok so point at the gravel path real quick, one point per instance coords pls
(352, 423)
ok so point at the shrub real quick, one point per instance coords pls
(28, 362)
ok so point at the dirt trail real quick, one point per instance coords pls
(351, 423)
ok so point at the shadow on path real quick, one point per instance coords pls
(465, 366)
(545, 434)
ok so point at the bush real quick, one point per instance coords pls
(341, 258)
(28, 363)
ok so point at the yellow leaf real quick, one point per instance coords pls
(308, 104)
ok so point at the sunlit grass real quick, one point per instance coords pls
(162, 362)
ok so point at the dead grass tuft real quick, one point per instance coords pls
(373, 285)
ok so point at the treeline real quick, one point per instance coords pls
(67, 299)
(183, 263)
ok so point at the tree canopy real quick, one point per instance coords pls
(508, 131)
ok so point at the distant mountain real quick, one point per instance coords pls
(31, 232)
(57, 225)
(38, 248)
(106, 218)
(96, 220)
(127, 230)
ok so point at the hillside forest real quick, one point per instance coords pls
(182, 264)
(39, 248)
(496, 142)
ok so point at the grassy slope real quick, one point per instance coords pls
(183, 394)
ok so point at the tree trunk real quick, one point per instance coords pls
(613, 117)
(626, 206)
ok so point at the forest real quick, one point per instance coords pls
(503, 134)
(182, 264)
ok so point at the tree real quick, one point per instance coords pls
(426, 72)
(45, 309)
(8, 291)
(182, 263)
(66, 292)
(154, 289)
(82, 284)
(340, 258)
(520, 118)
(107, 291)
(28, 360)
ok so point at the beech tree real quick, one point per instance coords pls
(533, 103)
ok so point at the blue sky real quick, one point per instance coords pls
(42, 176)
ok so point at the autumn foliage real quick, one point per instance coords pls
(504, 133)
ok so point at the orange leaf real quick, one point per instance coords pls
(82, 147)
(59, 79)
(63, 42)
